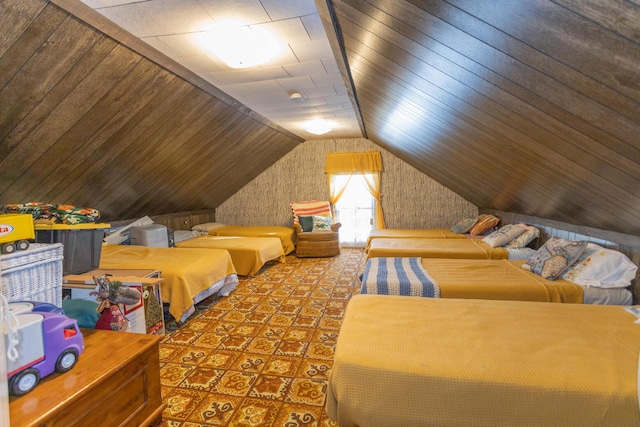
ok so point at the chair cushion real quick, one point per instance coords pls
(306, 223)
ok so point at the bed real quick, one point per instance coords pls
(285, 234)
(249, 254)
(435, 248)
(401, 233)
(190, 275)
(466, 362)
(478, 279)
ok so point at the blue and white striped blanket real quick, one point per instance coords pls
(398, 276)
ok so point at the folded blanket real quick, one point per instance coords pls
(398, 276)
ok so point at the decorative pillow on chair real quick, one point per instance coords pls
(504, 235)
(464, 225)
(522, 241)
(485, 222)
(601, 268)
(306, 222)
(310, 208)
(321, 223)
(554, 257)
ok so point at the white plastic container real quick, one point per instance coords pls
(150, 235)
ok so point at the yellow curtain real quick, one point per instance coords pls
(368, 164)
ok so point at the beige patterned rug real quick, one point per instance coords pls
(261, 356)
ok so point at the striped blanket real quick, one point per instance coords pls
(398, 276)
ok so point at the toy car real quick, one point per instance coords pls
(15, 232)
(47, 342)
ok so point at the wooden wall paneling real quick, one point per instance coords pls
(105, 161)
(544, 25)
(131, 164)
(16, 17)
(83, 138)
(70, 110)
(503, 164)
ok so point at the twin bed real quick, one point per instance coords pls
(406, 361)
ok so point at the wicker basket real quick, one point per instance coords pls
(33, 275)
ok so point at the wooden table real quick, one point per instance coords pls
(116, 382)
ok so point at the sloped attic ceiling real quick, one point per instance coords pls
(526, 106)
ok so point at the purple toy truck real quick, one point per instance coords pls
(47, 343)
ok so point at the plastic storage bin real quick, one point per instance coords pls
(150, 235)
(34, 274)
(82, 244)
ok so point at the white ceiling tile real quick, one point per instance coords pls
(134, 19)
(283, 9)
(314, 27)
(182, 16)
(243, 12)
(296, 83)
(313, 92)
(287, 30)
(306, 62)
(309, 50)
(304, 68)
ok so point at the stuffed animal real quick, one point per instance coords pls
(110, 295)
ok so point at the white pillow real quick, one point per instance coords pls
(321, 223)
(504, 235)
(601, 268)
(205, 227)
(525, 238)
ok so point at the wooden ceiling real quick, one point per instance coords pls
(529, 107)
(88, 121)
(522, 106)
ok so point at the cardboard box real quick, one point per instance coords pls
(145, 317)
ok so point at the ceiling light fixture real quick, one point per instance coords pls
(318, 126)
(241, 47)
(295, 95)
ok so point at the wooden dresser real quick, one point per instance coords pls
(116, 382)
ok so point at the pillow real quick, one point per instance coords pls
(599, 267)
(83, 311)
(306, 222)
(205, 227)
(504, 235)
(464, 225)
(554, 257)
(485, 222)
(321, 223)
(310, 208)
(522, 241)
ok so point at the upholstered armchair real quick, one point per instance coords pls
(316, 233)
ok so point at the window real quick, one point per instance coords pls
(355, 210)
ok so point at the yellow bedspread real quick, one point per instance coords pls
(497, 280)
(248, 254)
(406, 361)
(189, 274)
(285, 234)
(434, 248)
(430, 233)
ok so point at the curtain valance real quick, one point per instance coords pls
(362, 162)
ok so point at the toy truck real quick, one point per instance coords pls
(15, 232)
(47, 342)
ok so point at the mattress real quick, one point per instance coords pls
(430, 233)
(190, 275)
(249, 254)
(468, 278)
(403, 361)
(285, 234)
(434, 248)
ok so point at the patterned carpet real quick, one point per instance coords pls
(261, 356)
